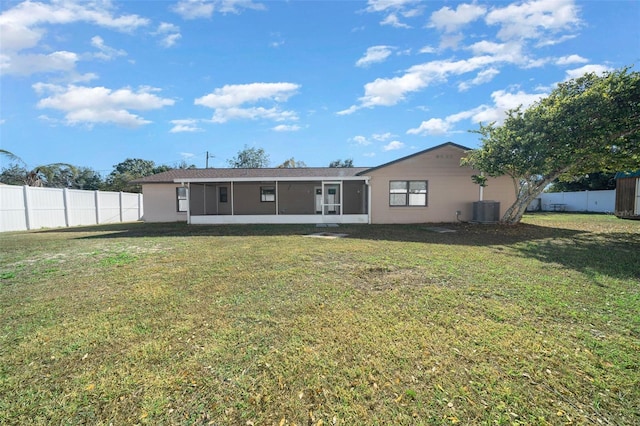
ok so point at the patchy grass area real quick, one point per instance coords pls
(531, 324)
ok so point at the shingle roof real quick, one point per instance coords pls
(262, 173)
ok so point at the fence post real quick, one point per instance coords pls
(97, 198)
(139, 206)
(120, 204)
(27, 211)
(65, 201)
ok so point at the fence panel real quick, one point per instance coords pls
(46, 208)
(12, 209)
(580, 201)
(109, 205)
(81, 207)
(131, 207)
(25, 207)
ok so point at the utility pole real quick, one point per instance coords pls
(207, 162)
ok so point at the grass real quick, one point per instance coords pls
(174, 324)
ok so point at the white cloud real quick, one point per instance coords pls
(571, 59)
(228, 101)
(193, 9)
(392, 20)
(579, 72)
(286, 128)
(503, 101)
(392, 146)
(185, 125)
(361, 140)
(449, 20)
(387, 92)
(482, 77)
(374, 54)
(238, 94)
(393, 8)
(381, 137)
(61, 61)
(222, 115)
(534, 19)
(169, 33)
(106, 53)
(427, 49)
(384, 5)
(433, 126)
(90, 105)
(22, 27)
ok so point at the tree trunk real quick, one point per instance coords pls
(514, 213)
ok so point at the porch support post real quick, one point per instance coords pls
(277, 200)
(232, 198)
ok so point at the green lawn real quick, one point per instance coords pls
(260, 325)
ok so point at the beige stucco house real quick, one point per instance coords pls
(428, 186)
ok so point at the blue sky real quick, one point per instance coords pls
(92, 83)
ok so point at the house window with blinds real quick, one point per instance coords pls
(181, 199)
(408, 193)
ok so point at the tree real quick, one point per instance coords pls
(87, 179)
(131, 168)
(590, 182)
(15, 174)
(10, 155)
(342, 163)
(291, 163)
(249, 158)
(587, 124)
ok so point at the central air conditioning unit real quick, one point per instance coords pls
(486, 211)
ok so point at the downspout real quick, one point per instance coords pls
(368, 183)
(188, 202)
(232, 200)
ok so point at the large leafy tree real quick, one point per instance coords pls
(131, 168)
(249, 158)
(587, 124)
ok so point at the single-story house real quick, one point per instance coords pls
(428, 186)
(628, 195)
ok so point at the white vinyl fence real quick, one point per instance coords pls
(26, 207)
(582, 201)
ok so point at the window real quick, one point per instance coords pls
(408, 193)
(267, 194)
(181, 196)
(224, 194)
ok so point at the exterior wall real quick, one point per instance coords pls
(354, 199)
(160, 203)
(296, 197)
(204, 199)
(449, 188)
(246, 199)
